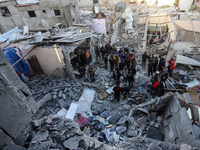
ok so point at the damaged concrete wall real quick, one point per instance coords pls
(47, 59)
(16, 103)
(43, 15)
(10, 21)
(177, 125)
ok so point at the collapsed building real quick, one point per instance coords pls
(45, 104)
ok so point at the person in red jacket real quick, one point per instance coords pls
(172, 67)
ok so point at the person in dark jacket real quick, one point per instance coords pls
(83, 59)
(126, 90)
(102, 52)
(131, 79)
(106, 60)
(121, 65)
(112, 62)
(117, 89)
(144, 59)
(150, 67)
(155, 63)
(118, 75)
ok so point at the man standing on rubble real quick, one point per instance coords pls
(117, 89)
(150, 66)
(131, 79)
(112, 62)
(121, 66)
(87, 54)
(106, 60)
(144, 58)
(161, 65)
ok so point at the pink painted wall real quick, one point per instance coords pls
(99, 26)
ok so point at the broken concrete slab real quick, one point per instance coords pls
(62, 103)
(12, 146)
(4, 138)
(71, 143)
(88, 95)
(41, 145)
(61, 113)
(155, 134)
(120, 129)
(122, 120)
(46, 98)
(187, 98)
(187, 61)
(72, 111)
(110, 90)
(153, 146)
(185, 147)
(114, 119)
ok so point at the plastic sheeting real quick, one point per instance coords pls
(11, 35)
(21, 67)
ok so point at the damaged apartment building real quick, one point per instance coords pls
(45, 102)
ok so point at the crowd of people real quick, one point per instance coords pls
(122, 65)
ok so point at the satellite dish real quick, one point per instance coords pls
(119, 7)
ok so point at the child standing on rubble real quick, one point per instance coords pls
(117, 89)
(91, 73)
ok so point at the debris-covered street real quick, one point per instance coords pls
(117, 75)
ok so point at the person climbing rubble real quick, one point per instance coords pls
(91, 73)
(117, 90)
(171, 66)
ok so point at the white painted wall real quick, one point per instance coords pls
(165, 2)
(48, 59)
(21, 2)
(185, 5)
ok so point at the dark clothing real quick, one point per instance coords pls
(91, 72)
(126, 50)
(130, 78)
(82, 70)
(121, 65)
(127, 61)
(151, 41)
(118, 76)
(102, 52)
(111, 64)
(164, 78)
(106, 61)
(144, 58)
(156, 77)
(155, 63)
(126, 90)
(150, 67)
(117, 89)
(83, 59)
(159, 91)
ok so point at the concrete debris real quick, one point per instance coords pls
(72, 110)
(71, 143)
(12, 146)
(186, 61)
(46, 98)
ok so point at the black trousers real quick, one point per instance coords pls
(117, 96)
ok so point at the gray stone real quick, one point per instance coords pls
(4, 138)
(46, 98)
(143, 110)
(12, 146)
(122, 120)
(64, 96)
(54, 97)
(153, 146)
(114, 119)
(100, 101)
(44, 145)
(120, 129)
(141, 122)
(185, 147)
(62, 103)
(40, 136)
(132, 133)
(174, 105)
(155, 134)
(60, 94)
(187, 98)
(71, 143)
(21, 139)
(71, 93)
